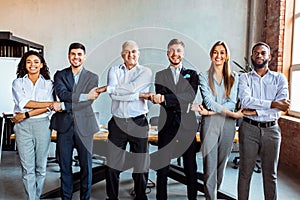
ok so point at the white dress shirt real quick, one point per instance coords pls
(256, 92)
(24, 90)
(176, 73)
(124, 87)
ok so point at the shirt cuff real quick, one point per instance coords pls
(268, 104)
(63, 107)
(110, 89)
(83, 97)
(188, 108)
(23, 103)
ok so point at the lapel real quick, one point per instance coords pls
(69, 77)
(170, 79)
(181, 80)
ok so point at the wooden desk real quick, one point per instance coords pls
(102, 136)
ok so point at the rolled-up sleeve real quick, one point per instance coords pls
(19, 95)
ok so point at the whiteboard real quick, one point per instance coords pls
(8, 68)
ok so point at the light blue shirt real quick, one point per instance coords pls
(124, 87)
(82, 97)
(217, 102)
(256, 92)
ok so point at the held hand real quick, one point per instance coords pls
(56, 106)
(18, 117)
(101, 89)
(157, 98)
(202, 110)
(196, 107)
(249, 112)
(239, 114)
(146, 95)
(93, 94)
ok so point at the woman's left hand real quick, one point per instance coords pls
(18, 117)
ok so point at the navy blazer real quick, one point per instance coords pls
(177, 98)
(79, 113)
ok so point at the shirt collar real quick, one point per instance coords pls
(177, 68)
(253, 72)
(123, 66)
(26, 76)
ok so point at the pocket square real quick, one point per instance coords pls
(187, 76)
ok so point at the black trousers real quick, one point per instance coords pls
(189, 162)
(121, 132)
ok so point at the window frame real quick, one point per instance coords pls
(293, 66)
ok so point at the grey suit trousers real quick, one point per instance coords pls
(264, 142)
(217, 133)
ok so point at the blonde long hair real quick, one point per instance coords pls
(228, 77)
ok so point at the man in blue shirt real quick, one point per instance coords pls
(263, 94)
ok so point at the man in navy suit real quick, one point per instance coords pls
(176, 89)
(75, 120)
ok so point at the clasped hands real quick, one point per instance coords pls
(95, 92)
(154, 98)
(55, 106)
(199, 108)
(92, 95)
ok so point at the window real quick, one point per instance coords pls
(295, 63)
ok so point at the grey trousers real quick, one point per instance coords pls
(264, 142)
(217, 133)
(33, 138)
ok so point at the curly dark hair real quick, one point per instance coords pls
(22, 71)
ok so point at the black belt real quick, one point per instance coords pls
(259, 124)
(130, 118)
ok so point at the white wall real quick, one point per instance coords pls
(8, 74)
(104, 25)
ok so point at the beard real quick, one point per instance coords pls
(259, 66)
(75, 66)
(175, 63)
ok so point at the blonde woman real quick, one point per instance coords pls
(218, 88)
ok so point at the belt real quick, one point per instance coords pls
(130, 118)
(259, 124)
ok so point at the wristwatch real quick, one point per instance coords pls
(27, 115)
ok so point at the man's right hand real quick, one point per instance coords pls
(101, 89)
(282, 105)
(93, 94)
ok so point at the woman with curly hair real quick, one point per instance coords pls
(33, 96)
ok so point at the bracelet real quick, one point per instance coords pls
(27, 115)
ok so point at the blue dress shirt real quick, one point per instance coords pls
(217, 102)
